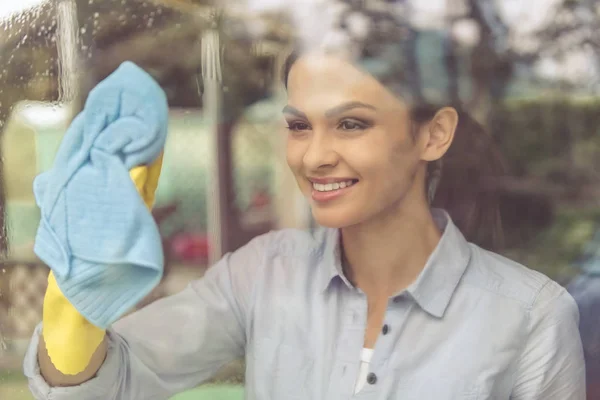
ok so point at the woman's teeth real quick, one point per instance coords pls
(320, 187)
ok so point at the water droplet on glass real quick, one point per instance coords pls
(67, 50)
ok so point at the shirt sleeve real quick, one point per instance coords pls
(173, 344)
(552, 366)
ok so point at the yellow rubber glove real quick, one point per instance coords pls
(70, 339)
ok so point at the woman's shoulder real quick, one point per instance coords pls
(512, 281)
(287, 257)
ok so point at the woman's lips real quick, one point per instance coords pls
(325, 192)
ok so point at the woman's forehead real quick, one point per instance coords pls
(330, 79)
(326, 67)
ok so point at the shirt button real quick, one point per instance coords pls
(386, 329)
(371, 379)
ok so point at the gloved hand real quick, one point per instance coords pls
(70, 339)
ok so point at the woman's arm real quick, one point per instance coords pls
(552, 365)
(56, 378)
(172, 345)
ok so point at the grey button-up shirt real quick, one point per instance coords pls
(474, 326)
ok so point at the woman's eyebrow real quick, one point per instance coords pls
(335, 111)
(294, 111)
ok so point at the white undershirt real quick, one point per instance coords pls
(365, 360)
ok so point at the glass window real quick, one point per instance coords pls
(527, 71)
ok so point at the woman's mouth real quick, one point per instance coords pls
(323, 192)
(328, 187)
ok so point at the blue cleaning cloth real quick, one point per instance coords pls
(95, 232)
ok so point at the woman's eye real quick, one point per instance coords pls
(298, 126)
(350, 125)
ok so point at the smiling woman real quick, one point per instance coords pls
(393, 295)
(387, 287)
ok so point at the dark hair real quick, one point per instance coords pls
(463, 181)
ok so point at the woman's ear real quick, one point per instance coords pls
(439, 133)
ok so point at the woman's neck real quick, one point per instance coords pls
(387, 253)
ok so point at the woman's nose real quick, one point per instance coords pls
(320, 153)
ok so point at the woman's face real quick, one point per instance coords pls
(350, 145)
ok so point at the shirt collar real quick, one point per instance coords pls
(435, 285)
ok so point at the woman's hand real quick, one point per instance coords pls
(71, 349)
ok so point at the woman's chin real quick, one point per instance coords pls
(334, 218)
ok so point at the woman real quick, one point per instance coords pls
(388, 300)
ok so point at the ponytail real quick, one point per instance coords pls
(464, 181)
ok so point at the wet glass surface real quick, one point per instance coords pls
(528, 71)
